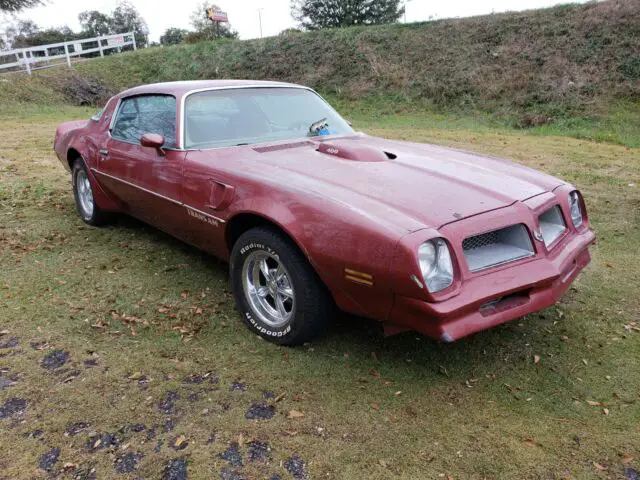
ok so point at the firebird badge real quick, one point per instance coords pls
(538, 236)
(202, 217)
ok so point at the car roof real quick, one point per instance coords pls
(181, 88)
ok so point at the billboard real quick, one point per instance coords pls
(217, 15)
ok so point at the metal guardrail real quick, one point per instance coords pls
(41, 56)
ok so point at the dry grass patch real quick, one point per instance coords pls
(127, 351)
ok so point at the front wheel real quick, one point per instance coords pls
(83, 194)
(277, 292)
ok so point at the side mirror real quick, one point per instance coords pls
(153, 140)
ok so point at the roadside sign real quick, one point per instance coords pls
(114, 42)
(217, 15)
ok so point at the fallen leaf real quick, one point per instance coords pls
(605, 411)
(383, 463)
(626, 458)
(135, 376)
(594, 404)
(398, 393)
(290, 433)
(179, 441)
(536, 359)
(599, 467)
(584, 360)
(279, 397)
(530, 441)
(295, 414)
(564, 338)
(375, 406)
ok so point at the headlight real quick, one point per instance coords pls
(576, 209)
(435, 264)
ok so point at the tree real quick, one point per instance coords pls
(18, 34)
(173, 36)
(13, 6)
(288, 32)
(95, 23)
(316, 14)
(125, 18)
(205, 29)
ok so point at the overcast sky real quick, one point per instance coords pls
(243, 14)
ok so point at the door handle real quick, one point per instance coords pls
(104, 152)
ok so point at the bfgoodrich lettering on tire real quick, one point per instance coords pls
(279, 295)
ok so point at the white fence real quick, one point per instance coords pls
(47, 56)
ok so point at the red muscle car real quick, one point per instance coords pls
(311, 214)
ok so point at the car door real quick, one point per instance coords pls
(146, 180)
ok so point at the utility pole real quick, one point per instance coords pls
(405, 10)
(260, 20)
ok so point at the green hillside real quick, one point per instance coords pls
(530, 67)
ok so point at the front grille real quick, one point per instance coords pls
(480, 241)
(497, 247)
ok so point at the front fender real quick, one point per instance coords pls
(351, 254)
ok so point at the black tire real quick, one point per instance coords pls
(311, 312)
(93, 216)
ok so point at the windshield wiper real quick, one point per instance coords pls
(319, 128)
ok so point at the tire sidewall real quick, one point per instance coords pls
(312, 306)
(79, 166)
(241, 252)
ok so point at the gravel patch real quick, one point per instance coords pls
(238, 387)
(127, 462)
(49, 459)
(101, 441)
(11, 343)
(228, 474)
(55, 359)
(12, 407)
(168, 404)
(233, 455)
(175, 470)
(74, 429)
(259, 452)
(296, 467)
(260, 411)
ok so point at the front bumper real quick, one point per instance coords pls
(496, 297)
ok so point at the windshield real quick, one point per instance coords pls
(223, 118)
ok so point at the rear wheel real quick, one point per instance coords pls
(277, 292)
(83, 194)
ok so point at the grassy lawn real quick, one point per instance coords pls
(121, 352)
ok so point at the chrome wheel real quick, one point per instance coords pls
(85, 195)
(267, 287)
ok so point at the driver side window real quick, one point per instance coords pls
(146, 114)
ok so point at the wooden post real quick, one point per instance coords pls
(66, 52)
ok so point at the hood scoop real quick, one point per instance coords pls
(352, 151)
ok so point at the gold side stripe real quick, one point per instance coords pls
(354, 273)
(361, 281)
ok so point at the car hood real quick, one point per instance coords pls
(410, 185)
